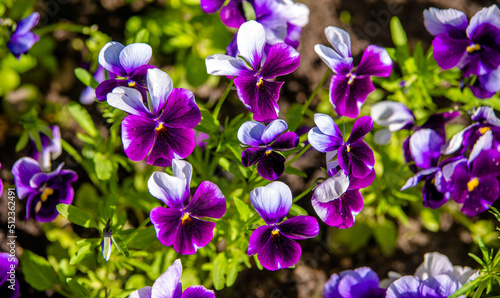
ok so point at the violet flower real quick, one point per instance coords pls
(355, 157)
(265, 143)
(88, 94)
(179, 224)
(349, 89)
(358, 283)
(128, 63)
(253, 72)
(9, 287)
(168, 285)
(393, 115)
(43, 190)
(162, 132)
(51, 148)
(337, 200)
(440, 286)
(231, 15)
(274, 243)
(435, 264)
(23, 39)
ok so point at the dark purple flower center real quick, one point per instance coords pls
(472, 184)
(473, 48)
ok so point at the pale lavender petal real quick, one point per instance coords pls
(251, 40)
(286, 141)
(375, 62)
(434, 263)
(159, 87)
(198, 292)
(141, 293)
(327, 126)
(109, 58)
(21, 43)
(23, 170)
(391, 114)
(382, 137)
(487, 114)
(340, 40)
(171, 190)
(360, 283)
(273, 130)
(404, 287)
(441, 285)
(299, 227)
(490, 81)
(135, 55)
(425, 147)
(208, 201)
(250, 133)
(138, 136)
(258, 239)
(26, 24)
(323, 142)
(271, 166)
(272, 202)
(485, 142)
(279, 252)
(281, 60)
(128, 100)
(169, 283)
(334, 60)
(439, 21)
(332, 188)
(331, 289)
(361, 127)
(181, 110)
(252, 155)
(223, 65)
(413, 181)
(457, 140)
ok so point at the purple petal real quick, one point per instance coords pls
(413, 181)
(328, 212)
(141, 293)
(375, 62)
(273, 130)
(223, 65)
(279, 252)
(251, 40)
(361, 127)
(342, 211)
(139, 76)
(171, 190)
(208, 201)
(262, 99)
(484, 142)
(331, 289)
(359, 283)
(332, 188)
(486, 114)
(169, 283)
(488, 59)
(171, 143)
(250, 133)
(21, 43)
(271, 166)
(23, 170)
(327, 126)
(181, 110)
(488, 83)
(138, 136)
(258, 239)
(26, 24)
(359, 183)
(232, 15)
(135, 55)
(483, 196)
(299, 227)
(348, 98)
(198, 292)
(323, 142)
(272, 202)
(159, 87)
(334, 60)
(166, 222)
(286, 141)
(252, 155)
(457, 141)
(128, 100)
(487, 163)
(361, 159)
(340, 40)
(109, 58)
(441, 285)
(404, 287)
(487, 15)
(425, 147)
(281, 60)
(211, 6)
(439, 21)
(449, 50)
(107, 87)
(48, 211)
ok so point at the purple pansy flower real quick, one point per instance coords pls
(274, 243)
(9, 287)
(253, 72)
(23, 39)
(349, 89)
(179, 224)
(440, 286)
(435, 264)
(162, 132)
(88, 94)
(43, 190)
(337, 200)
(265, 143)
(168, 285)
(231, 15)
(393, 115)
(51, 148)
(358, 283)
(129, 63)
(355, 157)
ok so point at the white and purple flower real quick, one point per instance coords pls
(266, 142)
(23, 39)
(393, 115)
(43, 190)
(274, 243)
(162, 132)
(358, 283)
(179, 224)
(168, 285)
(349, 89)
(254, 71)
(51, 148)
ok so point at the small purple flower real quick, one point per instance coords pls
(23, 39)
(88, 94)
(439, 286)
(200, 139)
(162, 132)
(358, 283)
(349, 89)
(231, 15)
(274, 243)
(337, 200)
(486, 85)
(129, 64)
(43, 190)
(51, 148)
(393, 115)
(9, 287)
(265, 143)
(180, 224)
(168, 285)
(355, 157)
(254, 71)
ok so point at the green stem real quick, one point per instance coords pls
(313, 95)
(221, 100)
(63, 26)
(481, 288)
(301, 152)
(305, 192)
(134, 233)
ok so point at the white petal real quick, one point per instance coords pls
(340, 40)
(224, 65)
(332, 188)
(251, 40)
(159, 87)
(128, 100)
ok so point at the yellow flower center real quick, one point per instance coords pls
(131, 84)
(473, 48)
(185, 218)
(260, 82)
(483, 130)
(472, 184)
(348, 148)
(275, 232)
(46, 193)
(159, 127)
(269, 151)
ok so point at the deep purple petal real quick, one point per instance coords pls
(211, 6)
(198, 292)
(458, 178)
(23, 170)
(271, 166)
(299, 227)
(252, 155)
(362, 159)
(169, 189)
(439, 21)
(251, 40)
(109, 58)
(487, 15)
(272, 202)
(449, 50)
(273, 130)
(160, 87)
(140, 74)
(21, 43)
(375, 62)
(279, 252)
(46, 211)
(347, 98)
(431, 196)
(181, 110)
(259, 96)
(482, 196)
(359, 183)
(328, 212)
(361, 127)
(208, 201)
(107, 86)
(171, 143)
(286, 141)
(487, 163)
(138, 136)
(166, 222)
(425, 147)
(250, 133)
(169, 283)
(358, 283)
(135, 55)
(281, 60)
(258, 239)
(232, 15)
(342, 211)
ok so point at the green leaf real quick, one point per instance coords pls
(232, 272)
(37, 271)
(295, 171)
(83, 118)
(385, 234)
(219, 270)
(142, 36)
(120, 245)
(297, 210)
(243, 209)
(467, 288)
(85, 77)
(248, 11)
(23, 141)
(77, 288)
(398, 33)
(103, 166)
(208, 123)
(76, 216)
(81, 253)
(430, 219)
